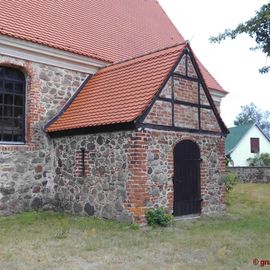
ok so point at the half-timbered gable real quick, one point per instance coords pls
(184, 103)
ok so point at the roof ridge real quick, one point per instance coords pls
(251, 123)
(145, 54)
(236, 135)
(114, 66)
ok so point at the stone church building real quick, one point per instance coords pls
(105, 110)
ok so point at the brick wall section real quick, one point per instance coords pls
(185, 90)
(191, 70)
(137, 182)
(186, 116)
(181, 68)
(26, 170)
(167, 90)
(83, 162)
(161, 113)
(208, 120)
(251, 174)
(204, 100)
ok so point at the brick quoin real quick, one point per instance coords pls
(137, 183)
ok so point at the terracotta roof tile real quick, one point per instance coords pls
(119, 93)
(210, 81)
(110, 30)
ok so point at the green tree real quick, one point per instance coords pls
(250, 113)
(258, 27)
(260, 160)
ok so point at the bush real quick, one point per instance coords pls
(260, 160)
(158, 217)
(230, 181)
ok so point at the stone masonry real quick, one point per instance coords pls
(26, 170)
(154, 155)
(116, 175)
(251, 174)
(127, 173)
(101, 190)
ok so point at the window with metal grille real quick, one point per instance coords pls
(12, 105)
(254, 145)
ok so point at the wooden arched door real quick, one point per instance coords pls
(186, 180)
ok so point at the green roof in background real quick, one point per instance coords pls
(235, 135)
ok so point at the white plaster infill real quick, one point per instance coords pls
(42, 54)
(217, 95)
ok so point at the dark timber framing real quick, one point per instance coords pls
(186, 53)
(173, 100)
(185, 77)
(186, 65)
(207, 93)
(199, 105)
(142, 117)
(180, 102)
(139, 122)
(171, 128)
(94, 129)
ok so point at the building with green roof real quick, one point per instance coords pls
(244, 142)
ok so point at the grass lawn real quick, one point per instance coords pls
(54, 241)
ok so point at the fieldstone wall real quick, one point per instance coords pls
(100, 187)
(123, 173)
(251, 174)
(26, 172)
(153, 152)
(126, 173)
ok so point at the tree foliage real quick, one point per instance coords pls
(250, 113)
(258, 28)
(260, 160)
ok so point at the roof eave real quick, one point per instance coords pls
(93, 129)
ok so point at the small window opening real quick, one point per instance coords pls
(12, 105)
(254, 145)
(83, 161)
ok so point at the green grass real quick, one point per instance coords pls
(47, 240)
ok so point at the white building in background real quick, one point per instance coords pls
(245, 142)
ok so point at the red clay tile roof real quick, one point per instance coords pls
(210, 81)
(110, 30)
(119, 93)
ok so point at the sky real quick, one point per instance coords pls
(231, 62)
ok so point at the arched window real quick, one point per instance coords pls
(12, 105)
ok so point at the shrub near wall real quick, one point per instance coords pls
(252, 174)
